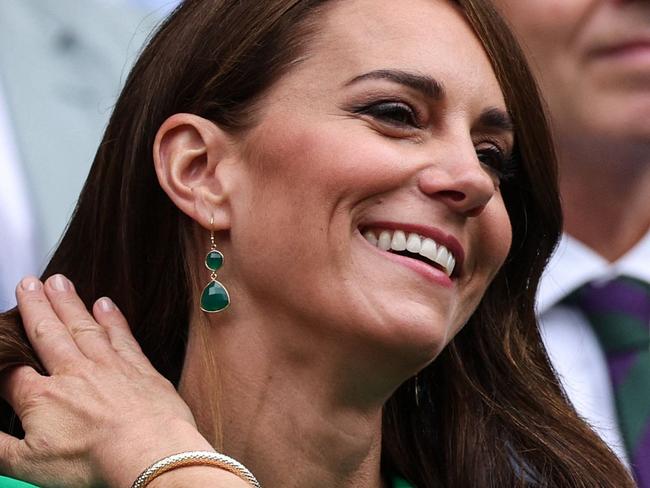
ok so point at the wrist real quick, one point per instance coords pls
(133, 451)
(195, 458)
(193, 476)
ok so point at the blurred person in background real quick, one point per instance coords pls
(61, 66)
(592, 59)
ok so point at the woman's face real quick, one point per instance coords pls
(390, 134)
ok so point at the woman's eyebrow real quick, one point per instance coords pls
(491, 118)
(495, 119)
(426, 85)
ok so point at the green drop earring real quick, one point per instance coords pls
(215, 297)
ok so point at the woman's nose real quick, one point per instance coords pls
(461, 182)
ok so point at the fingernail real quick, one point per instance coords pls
(60, 283)
(30, 284)
(106, 305)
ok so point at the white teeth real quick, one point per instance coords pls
(413, 243)
(429, 249)
(399, 241)
(451, 265)
(371, 237)
(443, 256)
(384, 240)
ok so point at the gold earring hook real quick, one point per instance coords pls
(213, 246)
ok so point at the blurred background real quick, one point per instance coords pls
(62, 63)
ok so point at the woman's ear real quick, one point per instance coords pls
(192, 156)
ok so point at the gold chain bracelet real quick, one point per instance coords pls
(195, 458)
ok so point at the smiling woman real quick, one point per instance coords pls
(380, 186)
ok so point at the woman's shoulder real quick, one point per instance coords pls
(11, 483)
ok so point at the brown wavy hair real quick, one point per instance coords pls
(488, 412)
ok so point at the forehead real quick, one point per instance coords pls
(430, 37)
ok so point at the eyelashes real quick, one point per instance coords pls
(401, 119)
(395, 113)
(499, 162)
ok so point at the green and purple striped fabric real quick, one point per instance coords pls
(619, 312)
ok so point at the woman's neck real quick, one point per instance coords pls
(291, 420)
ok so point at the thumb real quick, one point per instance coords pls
(10, 448)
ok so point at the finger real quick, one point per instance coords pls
(18, 386)
(91, 338)
(119, 333)
(47, 334)
(10, 459)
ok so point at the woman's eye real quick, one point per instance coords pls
(395, 113)
(495, 159)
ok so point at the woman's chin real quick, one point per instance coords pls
(408, 341)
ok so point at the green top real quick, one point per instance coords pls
(397, 483)
(10, 483)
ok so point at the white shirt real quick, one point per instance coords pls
(17, 247)
(571, 343)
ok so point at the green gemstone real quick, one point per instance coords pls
(214, 260)
(214, 298)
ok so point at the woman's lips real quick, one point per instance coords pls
(429, 251)
(436, 246)
(427, 271)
